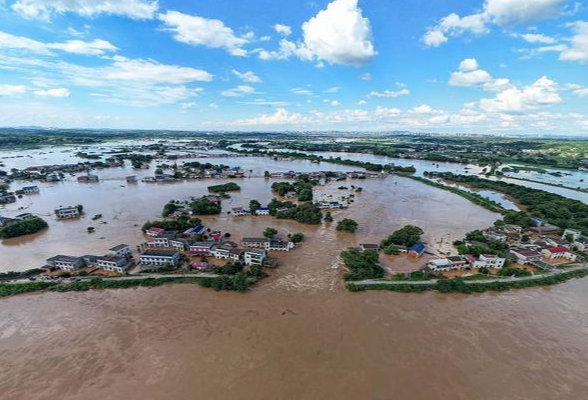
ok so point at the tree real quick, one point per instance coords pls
(296, 237)
(80, 208)
(254, 205)
(270, 232)
(240, 282)
(328, 217)
(362, 264)
(406, 236)
(347, 225)
(23, 227)
(569, 238)
(169, 209)
(203, 206)
(391, 250)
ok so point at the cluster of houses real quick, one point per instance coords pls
(240, 211)
(337, 175)
(545, 251)
(165, 247)
(188, 173)
(88, 178)
(117, 260)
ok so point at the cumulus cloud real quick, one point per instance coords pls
(239, 91)
(280, 117)
(469, 74)
(96, 47)
(338, 35)
(248, 77)
(334, 89)
(283, 29)
(543, 92)
(11, 90)
(198, 31)
(578, 51)
(55, 92)
(44, 9)
(498, 12)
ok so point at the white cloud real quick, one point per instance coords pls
(96, 47)
(338, 35)
(56, 92)
(361, 103)
(499, 12)
(390, 93)
(151, 72)
(335, 103)
(44, 9)
(581, 92)
(536, 38)
(334, 89)
(283, 29)
(543, 92)
(188, 106)
(469, 74)
(248, 77)
(239, 91)
(198, 31)
(280, 117)
(579, 50)
(213, 105)
(11, 90)
(366, 76)
(301, 91)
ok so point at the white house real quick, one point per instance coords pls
(239, 211)
(113, 263)
(486, 261)
(576, 234)
(254, 256)
(262, 211)
(158, 258)
(122, 250)
(66, 263)
(67, 212)
(553, 253)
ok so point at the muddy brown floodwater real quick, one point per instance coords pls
(297, 335)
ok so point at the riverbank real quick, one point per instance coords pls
(577, 189)
(217, 282)
(471, 286)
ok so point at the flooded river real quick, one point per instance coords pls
(297, 335)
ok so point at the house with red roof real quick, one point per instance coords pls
(154, 232)
(553, 253)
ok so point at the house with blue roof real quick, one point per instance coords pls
(416, 249)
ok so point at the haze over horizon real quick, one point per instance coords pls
(482, 66)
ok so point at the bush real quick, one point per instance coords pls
(227, 187)
(347, 225)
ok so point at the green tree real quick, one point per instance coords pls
(347, 225)
(254, 205)
(296, 237)
(391, 250)
(405, 236)
(328, 217)
(270, 232)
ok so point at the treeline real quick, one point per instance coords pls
(460, 286)
(179, 224)
(23, 227)
(553, 208)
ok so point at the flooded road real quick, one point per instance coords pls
(298, 334)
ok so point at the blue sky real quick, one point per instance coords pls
(479, 66)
